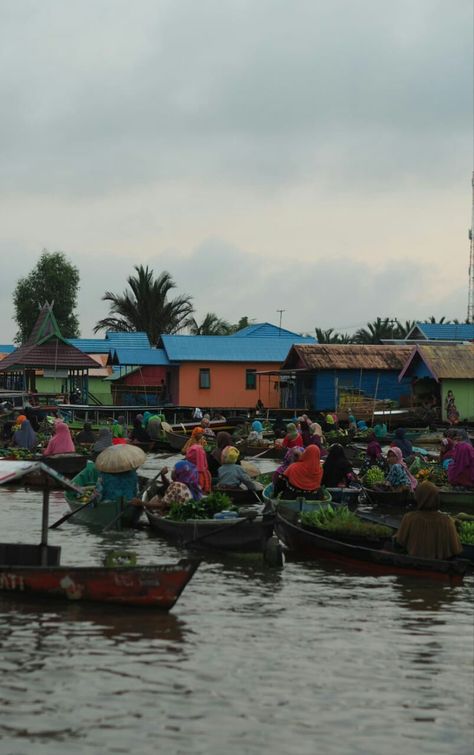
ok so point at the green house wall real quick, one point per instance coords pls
(463, 391)
(100, 388)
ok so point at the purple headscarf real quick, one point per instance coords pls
(461, 469)
(187, 473)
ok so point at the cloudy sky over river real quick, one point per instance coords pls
(310, 156)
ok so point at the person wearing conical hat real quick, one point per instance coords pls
(118, 478)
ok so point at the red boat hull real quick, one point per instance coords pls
(147, 586)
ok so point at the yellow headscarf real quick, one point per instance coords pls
(230, 455)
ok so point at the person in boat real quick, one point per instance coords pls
(374, 456)
(461, 469)
(292, 455)
(61, 442)
(303, 477)
(361, 425)
(380, 430)
(316, 438)
(214, 458)
(184, 487)
(152, 425)
(231, 474)
(399, 477)
(206, 426)
(256, 433)
(279, 427)
(452, 413)
(138, 436)
(337, 469)
(218, 417)
(426, 532)
(104, 440)
(118, 478)
(119, 427)
(447, 446)
(197, 456)
(86, 436)
(293, 437)
(196, 438)
(352, 422)
(25, 436)
(197, 414)
(401, 441)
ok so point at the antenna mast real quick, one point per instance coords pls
(470, 304)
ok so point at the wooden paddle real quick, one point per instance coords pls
(71, 513)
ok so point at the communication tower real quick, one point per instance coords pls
(470, 304)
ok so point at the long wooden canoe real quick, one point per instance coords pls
(388, 497)
(307, 544)
(296, 504)
(238, 535)
(102, 513)
(157, 586)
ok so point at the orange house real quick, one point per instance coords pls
(222, 371)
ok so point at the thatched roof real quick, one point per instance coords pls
(451, 361)
(347, 357)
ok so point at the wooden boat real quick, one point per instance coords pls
(157, 586)
(296, 504)
(175, 440)
(102, 513)
(67, 464)
(450, 497)
(308, 544)
(263, 452)
(388, 497)
(240, 496)
(239, 535)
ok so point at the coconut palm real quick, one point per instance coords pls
(212, 325)
(376, 331)
(147, 307)
(330, 336)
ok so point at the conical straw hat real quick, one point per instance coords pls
(121, 458)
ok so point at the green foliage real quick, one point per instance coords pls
(203, 509)
(373, 476)
(147, 307)
(466, 532)
(212, 325)
(343, 521)
(53, 279)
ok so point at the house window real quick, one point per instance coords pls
(204, 378)
(250, 380)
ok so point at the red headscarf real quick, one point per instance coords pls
(306, 473)
(197, 456)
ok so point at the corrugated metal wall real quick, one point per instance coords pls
(324, 385)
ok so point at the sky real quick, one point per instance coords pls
(309, 156)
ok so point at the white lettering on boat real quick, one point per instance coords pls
(11, 582)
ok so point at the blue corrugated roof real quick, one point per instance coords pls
(143, 357)
(91, 345)
(446, 331)
(225, 348)
(137, 340)
(264, 330)
(7, 348)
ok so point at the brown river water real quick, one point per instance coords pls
(303, 660)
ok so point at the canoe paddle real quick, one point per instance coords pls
(71, 513)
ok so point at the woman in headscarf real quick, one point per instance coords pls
(374, 456)
(256, 432)
(293, 437)
(293, 454)
(152, 424)
(279, 427)
(316, 438)
(197, 438)
(104, 440)
(380, 430)
(337, 469)
(231, 474)
(86, 436)
(426, 532)
(25, 437)
(447, 445)
(402, 442)
(303, 477)
(184, 487)
(399, 476)
(119, 429)
(61, 442)
(461, 469)
(138, 436)
(214, 458)
(206, 426)
(197, 456)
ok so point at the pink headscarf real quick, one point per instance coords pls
(461, 469)
(397, 452)
(61, 442)
(197, 456)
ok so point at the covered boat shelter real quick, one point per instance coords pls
(47, 352)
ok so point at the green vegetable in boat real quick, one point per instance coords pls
(373, 476)
(344, 522)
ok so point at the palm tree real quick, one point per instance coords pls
(376, 331)
(330, 336)
(146, 307)
(212, 325)
(402, 330)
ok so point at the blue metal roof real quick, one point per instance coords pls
(138, 340)
(264, 330)
(7, 348)
(90, 345)
(445, 331)
(142, 357)
(225, 348)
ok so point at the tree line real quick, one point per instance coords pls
(147, 305)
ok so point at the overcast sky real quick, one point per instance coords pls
(311, 156)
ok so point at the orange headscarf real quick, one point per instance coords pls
(306, 473)
(196, 438)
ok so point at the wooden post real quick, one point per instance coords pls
(45, 522)
(375, 397)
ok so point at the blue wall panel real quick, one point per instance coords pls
(323, 391)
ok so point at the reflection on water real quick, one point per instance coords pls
(303, 660)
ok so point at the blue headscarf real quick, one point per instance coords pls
(25, 437)
(257, 426)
